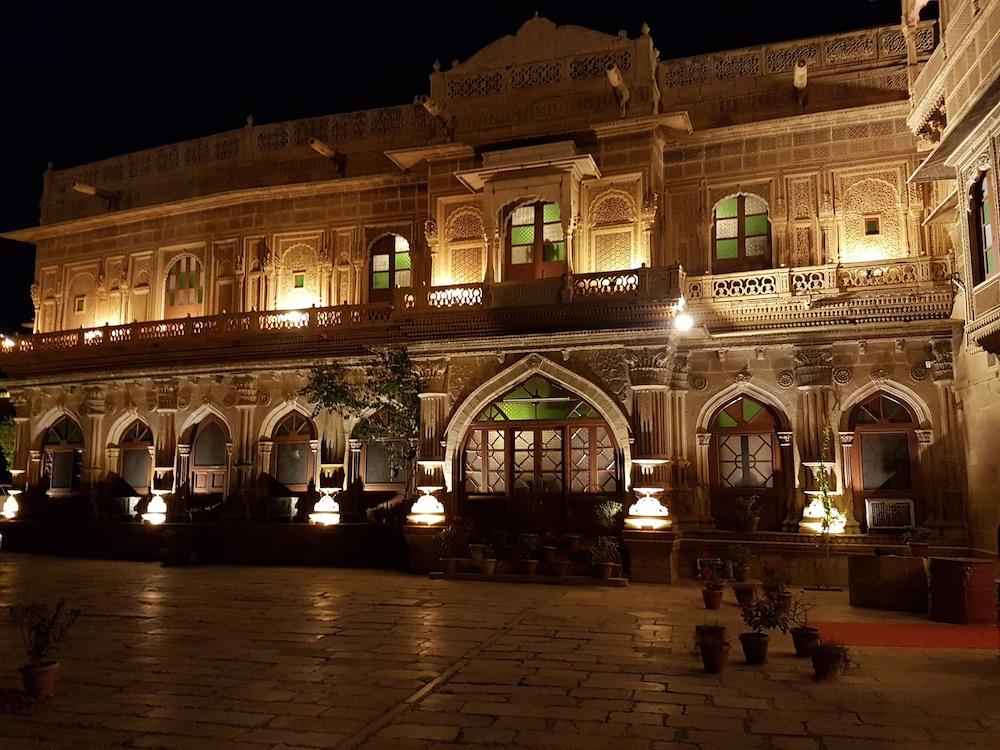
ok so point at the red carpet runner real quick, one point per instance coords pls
(910, 635)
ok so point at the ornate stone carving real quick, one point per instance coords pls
(880, 375)
(924, 437)
(245, 390)
(942, 367)
(704, 438)
(94, 400)
(433, 375)
(36, 295)
(611, 368)
(431, 234)
(846, 438)
(842, 375)
(743, 377)
(699, 382)
(813, 367)
(680, 371)
(918, 372)
(164, 396)
(785, 438)
(650, 203)
(649, 367)
(786, 379)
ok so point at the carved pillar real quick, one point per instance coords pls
(36, 303)
(94, 407)
(649, 375)
(647, 219)
(353, 460)
(21, 401)
(432, 239)
(792, 513)
(183, 470)
(950, 491)
(246, 396)
(164, 402)
(814, 379)
(433, 413)
(830, 251)
(846, 485)
(34, 467)
(703, 506)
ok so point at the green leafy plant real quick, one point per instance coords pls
(747, 511)
(383, 393)
(606, 550)
(42, 627)
(8, 439)
(739, 555)
(454, 541)
(610, 515)
(916, 535)
(764, 614)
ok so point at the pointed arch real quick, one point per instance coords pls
(891, 388)
(278, 413)
(123, 422)
(199, 415)
(720, 399)
(465, 414)
(47, 420)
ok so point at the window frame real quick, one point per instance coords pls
(295, 438)
(981, 199)
(539, 268)
(62, 446)
(127, 444)
(174, 311)
(386, 294)
(742, 262)
(212, 471)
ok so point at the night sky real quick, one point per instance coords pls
(83, 81)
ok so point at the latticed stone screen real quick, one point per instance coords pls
(612, 251)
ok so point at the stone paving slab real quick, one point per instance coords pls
(241, 658)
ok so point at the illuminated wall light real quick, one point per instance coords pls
(327, 510)
(8, 342)
(92, 335)
(648, 513)
(683, 322)
(427, 510)
(295, 318)
(812, 518)
(10, 506)
(156, 510)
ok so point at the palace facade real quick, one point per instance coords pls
(533, 231)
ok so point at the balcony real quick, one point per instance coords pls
(834, 294)
(629, 299)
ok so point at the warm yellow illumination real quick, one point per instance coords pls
(871, 251)
(647, 512)
(92, 335)
(327, 510)
(812, 518)
(10, 506)
(156, 511)
(427, 510)
(8, 342)
(683, 322)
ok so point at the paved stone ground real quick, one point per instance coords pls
(239, 658)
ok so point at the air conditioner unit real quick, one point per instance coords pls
(889, 513)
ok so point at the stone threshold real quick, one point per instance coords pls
(540, 579)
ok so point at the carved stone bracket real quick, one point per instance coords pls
(649, 367)
(924, 437)
(880, 375)
(164, 396)
(433, 375)
(784, 438)
(245, 390)
(94, 400)
(786, 379)
(813, 367)
(942, 366)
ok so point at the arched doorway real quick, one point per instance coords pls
(538, 457)
(294, 459)
(884, 470)
(63, 456)
(209, 458)
(745, 460)
(136, 462)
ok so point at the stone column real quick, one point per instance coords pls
(34, 474)
(21, 401)
(814, 379)
(950, 490)
(94, 407)
(353, 460)
(649, 376)
(265, 447)
(165, 405)
(846, 440)
(647, 219)
(247, 396)
(792, 512)
(432, 240)
(433, 413)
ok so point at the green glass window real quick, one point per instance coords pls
(300, 280)
(535, 238)
(392, 264)
(537, 398)
(872, 226)
(185, 289)
(986, 261)
(741, 234)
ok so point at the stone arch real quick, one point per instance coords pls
(198, 416)
(721, 398)
(48, 419)
(465, 235)
(891, 388)
(123, 422)
(462, 223)
(274, 417)
(612, 206)
(465, 414)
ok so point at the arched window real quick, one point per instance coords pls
(391, 267)
(185, 289)
(539, 455)
(535, 247)
(63, 448)
(741, 234)
(985, 261)
(209, 458)
(745, 460)
(884, 460)
(293, 455)
(136, 460)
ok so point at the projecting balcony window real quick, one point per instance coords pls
(535, 245)
(741, 234)
(984, 247)
(391, 267)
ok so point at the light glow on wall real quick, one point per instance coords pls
(812, 518)
(647, 512)
(327, 510)
(156, 510)
(427, 510)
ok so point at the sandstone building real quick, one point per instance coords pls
(529, 230)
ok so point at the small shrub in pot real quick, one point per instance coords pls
(740, 556)
(712, 646)
(712, 587)
(917, 539)
(759, 616)
(830, 660)
(42, 629)
(607, 555)
(804, 637)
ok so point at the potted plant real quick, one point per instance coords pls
(453, 540)
(488, 559)
(712, 646)
(740, 556)
(916, 538)
(711, 587)
(745, 592)
(607, 556)
(748, 513)
(477, 552)
(42, 629)
(831, 660)
(804, 638)
(527, 564)
(760, 616)
(772, 581)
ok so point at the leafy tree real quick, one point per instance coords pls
(8, 436)
(383, 394)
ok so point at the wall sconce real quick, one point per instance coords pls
(427, 510)
(647, 513)
(327, 510)
(156, 510)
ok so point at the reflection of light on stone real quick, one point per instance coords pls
(10, 506)
(812, 518)
(647, 512)
(327, 510)
(427, 510)
(92, 335)
(683, 322)
(294, 318)
(156, 510)
(867, 252)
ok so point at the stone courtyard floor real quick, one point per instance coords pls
(242, 658)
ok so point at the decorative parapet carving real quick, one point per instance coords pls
(94, 400)
(942, 366)
(813, 367)
(433, 375)
(842, 375)
(649, 367)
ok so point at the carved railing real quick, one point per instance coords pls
(818, 280)
(647, 283)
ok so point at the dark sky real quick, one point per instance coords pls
(83, 81)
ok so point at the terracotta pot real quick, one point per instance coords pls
(548, 553)
(572, 541)
(607, 570)
(754, 524)
(40, 679)
(742, 573)
(709, 633)
(804, 639)
(824, 668)
(477, 552)
(714, 655)
(712, 597)
(558, 567)
(449, 565)
(745, 593)
(755, 647)
(489, 566)
(527, 567)
(919, 549)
